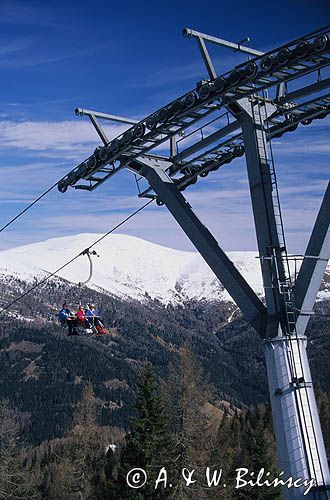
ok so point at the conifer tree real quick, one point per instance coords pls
(255, 451)
(16, 481)
(77, 471)
(146, 442)
(323, 400)
(226, 454)
(186, 393)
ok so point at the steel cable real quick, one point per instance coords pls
(75, 257)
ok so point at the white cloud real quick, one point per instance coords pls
(60, 137)
(222, 200)
(227, 214)
(8, 47)
(304, 147)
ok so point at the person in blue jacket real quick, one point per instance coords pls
(66, 317)
(93, 317)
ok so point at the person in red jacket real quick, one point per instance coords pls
(81, 318)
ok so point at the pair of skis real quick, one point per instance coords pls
(99, 333)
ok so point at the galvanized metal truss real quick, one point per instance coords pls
(223, 118)
(212, 122)
(212, 103)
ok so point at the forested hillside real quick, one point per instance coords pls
(174, 429)
(170, 386)
(43, 371)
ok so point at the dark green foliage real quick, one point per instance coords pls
(55, 470)
(145, 445)
(323, 400)
(247, 441)
(45, 383)
(43, 374)
(76, 470)
(17, 478)
(187, 392)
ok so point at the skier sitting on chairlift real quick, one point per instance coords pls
(81, 318)
(66, 317)
(93, 317)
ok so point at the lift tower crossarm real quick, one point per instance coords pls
(314, 264)
(203, 143)
(219, 41)
(280, 65)
(93, 115)
(105, 116)
(204, 241)
(306, 90)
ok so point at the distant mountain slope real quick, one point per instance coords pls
(131, 268)
(43, 371)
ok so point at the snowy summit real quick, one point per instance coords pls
(130, 268)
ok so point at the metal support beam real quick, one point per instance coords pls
(261, 184)
(230, 45)
(280, 90)
(99, 129)
(314, 264)
(210, 139)
(306, 90)
(300, 445)
(203, 240)
(206, 58)
(105, 116)
(173, 150)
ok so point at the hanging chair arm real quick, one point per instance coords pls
(88, 252)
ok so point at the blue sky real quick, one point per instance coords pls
(130, 58)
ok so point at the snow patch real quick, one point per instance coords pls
(130, 268)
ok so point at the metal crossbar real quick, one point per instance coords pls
(278, 67)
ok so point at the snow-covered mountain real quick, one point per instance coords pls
(130, 268)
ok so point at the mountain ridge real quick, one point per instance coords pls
(43, 370)
(131, 268)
